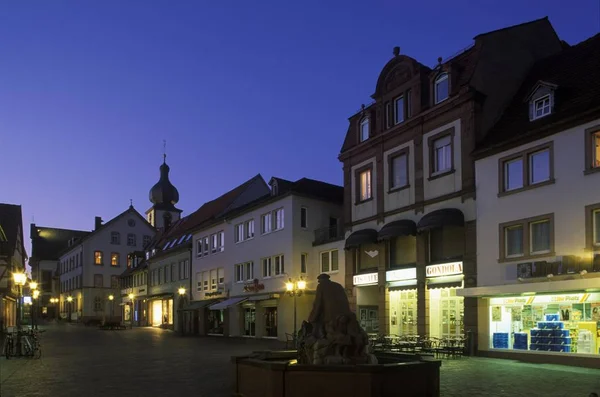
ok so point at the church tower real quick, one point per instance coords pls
(163, 197)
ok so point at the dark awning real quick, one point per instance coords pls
(403, 227)
(365, 236)
(196, 305)
(440, 218)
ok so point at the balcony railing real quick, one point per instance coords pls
(328, 234)
(563, 265)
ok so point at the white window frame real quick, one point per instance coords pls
(530, 169)
(364, 129)
(278, 265)
(267, 267)
(546, 107)
(442, 78)
(199, 247)
(366, 188)
(397, 119)
(240, 232)
(506, 180)
(278, 219)
(403, 157)
(249, 230)
(266, 223)
(447, 151)
(329, 254)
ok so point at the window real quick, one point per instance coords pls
(266, 223)
(199, 247)
(98, 281)
(167, 273)
(303, 217)
(114, 281)
(398, 163)
(441, 87)
(592, 149)
(541, 107)
(446, 244)
(389, 115)
(364, 129)
(239, 232)
(364, 189)
(221, 275)
(215, 243)
(278, 219)
(592, 227)
(213, 280)
(527, 169)
(250, 229)
(158, 276)
(514, 241)
(147, 240)
(266, 267)
(279, 265)
(403, 250)
(114, 259)
(244, 271)
(205, 281)
(131, 239)
(540, 237)
(115, 238)
(173, 272)
(303, 262)
(205, 250)
(329, 261)
(408, 104)
(199, 282)
(527, 238)
(98, 258)
(399, 110)
(442, 154)
(98, 304)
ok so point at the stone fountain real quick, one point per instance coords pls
(334, 359)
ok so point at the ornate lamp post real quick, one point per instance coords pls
(131, 314)
(70, 302)
(295, 289)
(181, 292)
(20, 279)
(111, 298)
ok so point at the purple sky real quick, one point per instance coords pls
(89, 89)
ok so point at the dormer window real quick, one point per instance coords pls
(364, 129)
(541, 107)
(441, 88)
(274, 189)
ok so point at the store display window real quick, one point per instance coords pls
(568, 323)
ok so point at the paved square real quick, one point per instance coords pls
(79, 361)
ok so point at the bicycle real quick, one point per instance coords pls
(31, 343)
(9, 346)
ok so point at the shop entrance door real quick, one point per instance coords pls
(451, 314)
(157, 313)
(403, 315)
(271, 321)
(250, 321)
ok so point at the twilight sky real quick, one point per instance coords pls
(89, 89)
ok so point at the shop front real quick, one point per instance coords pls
(161, 312)
(446, 307)
(402, 287)
(367, 301)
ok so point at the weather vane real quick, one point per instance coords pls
(164, 150)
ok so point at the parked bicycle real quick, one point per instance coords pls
(30, 344)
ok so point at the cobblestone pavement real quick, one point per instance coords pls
(79, 361)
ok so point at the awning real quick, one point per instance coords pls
(159, 296)
(404, 227)
(440, 218)
(359, 237)
(263, 297)
(199, 304)
(543, 287)
(455, 281)
(227, 303)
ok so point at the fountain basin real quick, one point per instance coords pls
(276, 374)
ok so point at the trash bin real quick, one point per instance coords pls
(470, 347)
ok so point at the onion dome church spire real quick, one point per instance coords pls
(163, 197)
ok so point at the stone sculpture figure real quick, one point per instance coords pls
(332, 334)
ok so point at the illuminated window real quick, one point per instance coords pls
(98, 258)
(364, 185)
(114, 259)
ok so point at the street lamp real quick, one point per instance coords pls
(36, 295)
(20, 279)
(70, 301)
(295, 289)
(54, 301)
(131, 296)
(111, 298)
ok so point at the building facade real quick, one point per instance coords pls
(12, 260)
(134, 290)
(291, 233)
(409, 181)
(538, 216)
(90, 267)
(47, 243)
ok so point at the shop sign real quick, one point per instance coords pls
(445, 269)
(255, 287)
(401, 274)
(364, 279)
(517, 300)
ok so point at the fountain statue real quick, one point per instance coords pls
(332, 335)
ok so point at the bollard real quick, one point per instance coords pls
(470, 343)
